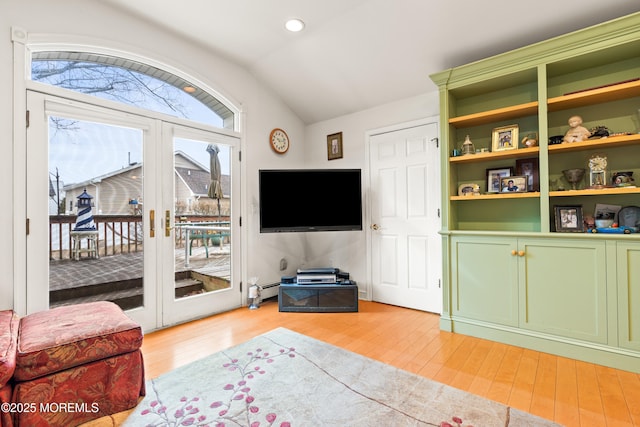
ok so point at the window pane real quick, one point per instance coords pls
(202, 208)
(95, 213)
(131, 83)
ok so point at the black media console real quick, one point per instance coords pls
(318, 298)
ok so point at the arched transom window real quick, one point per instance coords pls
(132, 83)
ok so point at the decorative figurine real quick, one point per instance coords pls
(556, 139)
(577, 133)
(622, 179)
(468, 147)
(589, 222)
(599, 132)
(531, 140)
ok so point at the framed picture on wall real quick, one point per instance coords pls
(334, 146)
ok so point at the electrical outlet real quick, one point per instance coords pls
(283, 264)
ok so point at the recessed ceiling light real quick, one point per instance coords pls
(294, 25)
(189, 89)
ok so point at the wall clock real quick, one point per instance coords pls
(279, 141)
(597, 170)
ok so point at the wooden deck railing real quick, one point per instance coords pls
(116, 233)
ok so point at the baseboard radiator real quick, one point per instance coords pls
(270, 290)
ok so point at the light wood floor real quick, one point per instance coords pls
(570, 392)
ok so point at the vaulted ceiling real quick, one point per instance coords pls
(357, 54)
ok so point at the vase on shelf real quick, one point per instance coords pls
(573, 176)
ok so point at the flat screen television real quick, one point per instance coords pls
(297, 200)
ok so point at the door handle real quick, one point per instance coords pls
(375, 227)
(152, 223)
(167, 223)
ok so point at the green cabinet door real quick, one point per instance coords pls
(629, 294)
(563, 286)
(484, 279)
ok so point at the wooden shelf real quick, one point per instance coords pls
(507, 154)
(608, 142)
(595, 192)
(496, 115)
(594, 96)
(588, 97)
(498, 196)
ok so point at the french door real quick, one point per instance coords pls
(196, 261)
(118, 209)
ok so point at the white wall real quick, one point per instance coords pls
(93, 22)
(261, 109)
(348, 250)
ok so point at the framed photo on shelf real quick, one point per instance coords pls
(513, 184)
(494, 178)
(468, 189)
(505, 138)
(334, 146)
(530, 169)
(606, 212)
(568, 219)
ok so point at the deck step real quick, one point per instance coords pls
(188, 286)
(90, 290)
(187, 282)
(125, 299)
(131, 298)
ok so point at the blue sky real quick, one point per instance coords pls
(89, 150)
(94, 149)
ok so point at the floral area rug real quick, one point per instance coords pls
(284, 379)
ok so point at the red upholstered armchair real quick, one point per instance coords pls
(74, 364)
(8, 339)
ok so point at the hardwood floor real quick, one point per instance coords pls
(570, 392)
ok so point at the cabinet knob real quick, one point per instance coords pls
(520, 253)
(514, 252)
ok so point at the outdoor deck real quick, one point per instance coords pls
(119, 277)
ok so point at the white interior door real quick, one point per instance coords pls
(404, 205)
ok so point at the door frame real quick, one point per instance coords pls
(23, 43)
(367, 170)
(41, 106)
(151, 122)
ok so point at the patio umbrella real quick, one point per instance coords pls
(215, 187)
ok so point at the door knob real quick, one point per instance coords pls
(375, 227)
